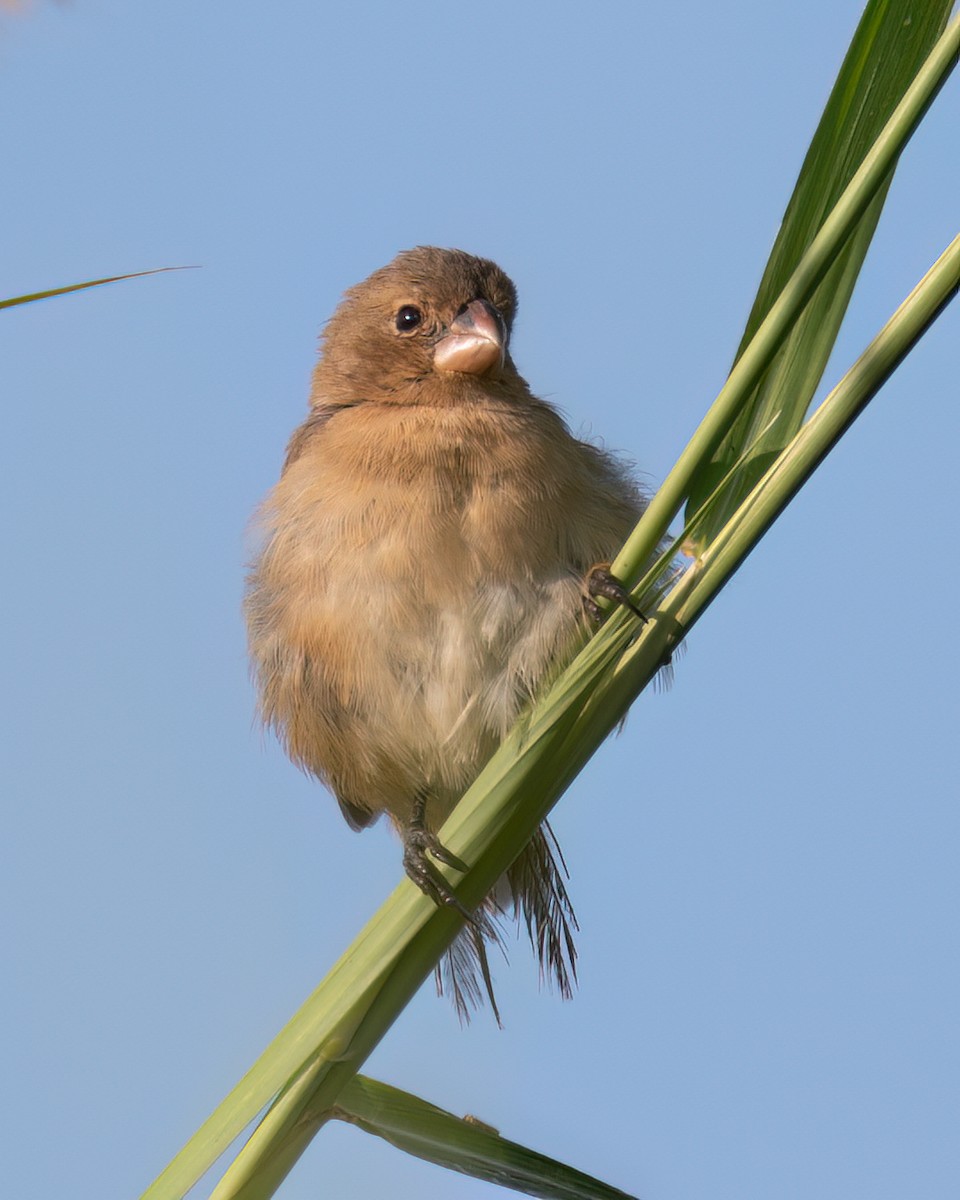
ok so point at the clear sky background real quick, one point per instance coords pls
(765, 863)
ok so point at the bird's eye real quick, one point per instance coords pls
(408, 318)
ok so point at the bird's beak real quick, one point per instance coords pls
(475, 343)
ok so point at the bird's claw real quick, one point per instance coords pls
(601, 582)
(417, 844)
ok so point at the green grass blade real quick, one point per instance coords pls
(418, 1128)
(473, 1149)
(703, 580)
(272, 1150)
(887, 50)
(79, 287)
(786, 309)
(824, 429)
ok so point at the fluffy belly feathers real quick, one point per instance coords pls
(398, 625)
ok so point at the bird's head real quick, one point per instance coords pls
(422, 327)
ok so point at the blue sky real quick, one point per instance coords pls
(765, 862)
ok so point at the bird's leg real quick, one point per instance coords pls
(418, 842)
(600, 581)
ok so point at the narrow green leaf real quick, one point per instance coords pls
(821, 433)
(888, 47)
(703, 580)
(786, 309)
(462, 1144)
(79, 287)
(418, 1128)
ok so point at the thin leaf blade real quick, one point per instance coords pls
(33, 297)
(888, 48)
(462, 1144)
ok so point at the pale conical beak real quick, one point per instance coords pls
(475, 342)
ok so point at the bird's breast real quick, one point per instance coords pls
(421, 555)
(433, 492)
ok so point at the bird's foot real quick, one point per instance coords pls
(600, 581)
(418, 843)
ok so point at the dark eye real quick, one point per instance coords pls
(408, 318)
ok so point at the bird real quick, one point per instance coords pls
(437, 541)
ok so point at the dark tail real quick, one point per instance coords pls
(536, 891)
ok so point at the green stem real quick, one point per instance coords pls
(831, 420)
(787, 308)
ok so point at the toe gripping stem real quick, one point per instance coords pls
(601, 581)
(418, 842)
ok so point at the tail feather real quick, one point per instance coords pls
(538, 893)
(540, 897)
(464, 971)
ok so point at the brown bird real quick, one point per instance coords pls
(436, 541)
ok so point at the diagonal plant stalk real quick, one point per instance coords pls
(824, 429)
(315, 1056)
(864, 94)
(783, 314)
(704, 579)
